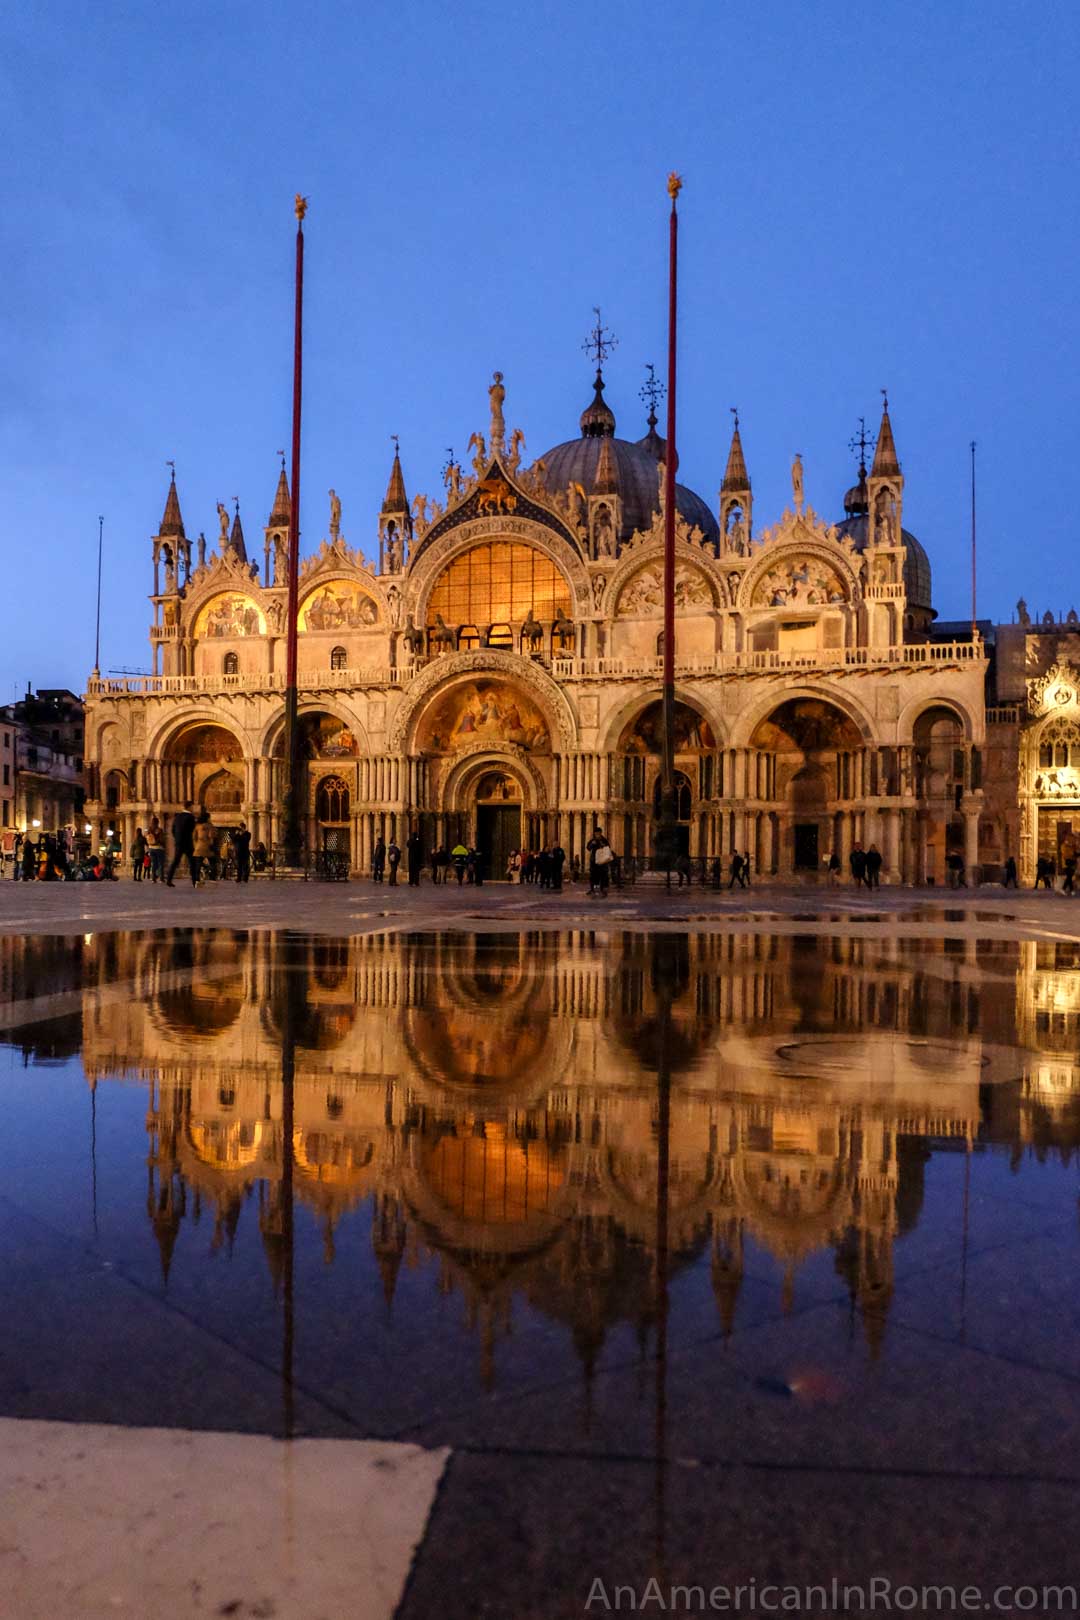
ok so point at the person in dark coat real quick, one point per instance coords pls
(857, 862)
(735, 870)
(873, 867)
(183, 832)
(393, 859)
(241, 839)
(414, 855)
(378, 860)
(1010, 872)
(558, 861)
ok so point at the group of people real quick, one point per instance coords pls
(44, 857)
(865, 865)
(543, 867)
(210, 852)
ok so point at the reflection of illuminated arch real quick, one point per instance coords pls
(790, 1217)
(443, 1194)
(450, 669)
(333, 1159)
(629, 1192)
(632, 708)
(226, 1144)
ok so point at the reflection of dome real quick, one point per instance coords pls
(636, 466)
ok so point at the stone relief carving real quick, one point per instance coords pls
(644, 593)
(801, 581)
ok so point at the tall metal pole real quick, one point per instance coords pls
(97, 631)
(666, 835)
(291, 832)
(974, 624)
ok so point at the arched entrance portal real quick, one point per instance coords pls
(204, 763)
(499, 828)
(812, 754)
(636, 778)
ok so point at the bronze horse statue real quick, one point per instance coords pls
(442, 636)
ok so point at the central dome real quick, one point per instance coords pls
(637, 470)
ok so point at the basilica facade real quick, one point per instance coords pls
(493, 672)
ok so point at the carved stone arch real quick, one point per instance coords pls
(772, 555)
(185, 719)
(424, 574)
(271, 732)
(631, 562)
(436, 676)
(221, 579)
(652, 692)
(343, 575)
(751, 717)
(475, 761)
(909, 716)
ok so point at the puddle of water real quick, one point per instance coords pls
(459, 1163)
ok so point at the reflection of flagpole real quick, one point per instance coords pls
(93, 1154)
(290, 836)
(665, 990)
(665, 832)
(292, 961)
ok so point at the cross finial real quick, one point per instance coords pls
(236, 502)
(449, 462)
(397, 444)
(734, 409)
(281, 453)
(885, 398)
(600, 341)
(172, 470)
(652, 391)
(861, 442)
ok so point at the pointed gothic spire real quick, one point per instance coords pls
(282, 509)
(885, 463)
(606, 481)
(736, 476)
(396, 499)
(172, 523)
(236, 538)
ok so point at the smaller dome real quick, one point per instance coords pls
(857, 499)
(598, 419)
(916, 562)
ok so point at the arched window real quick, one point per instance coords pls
(339, 658)
(231, 664)
(501, 635)
(468, 637)
(332, 800)
(660, 645)
(495, 583)
(683, 796)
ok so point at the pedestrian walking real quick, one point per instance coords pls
(873, 867)
(138, 854)
(183, 835)
(735, 870)
(378, 860)
(558, 861)
(414, 852)
(202, 848)
(459, 855)
(1010, 872)
(242, 846)
(393, 860)
(857, 863)
(834, 869)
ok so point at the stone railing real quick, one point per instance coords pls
(271, 681)
(930, 653)
(1004, 714)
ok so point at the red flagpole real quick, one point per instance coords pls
(666, 834)
(291, 832)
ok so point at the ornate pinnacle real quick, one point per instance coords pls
(300, 208)
(600, 341)
(674, 185)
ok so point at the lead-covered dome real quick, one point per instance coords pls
(917, 581)
(636, 469)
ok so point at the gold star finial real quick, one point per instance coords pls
(300, 208)
(674, 185)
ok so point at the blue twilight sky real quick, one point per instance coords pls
(875, 196)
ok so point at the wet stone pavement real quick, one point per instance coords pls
(704, 1251)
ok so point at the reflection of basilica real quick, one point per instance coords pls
(496, 1097)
